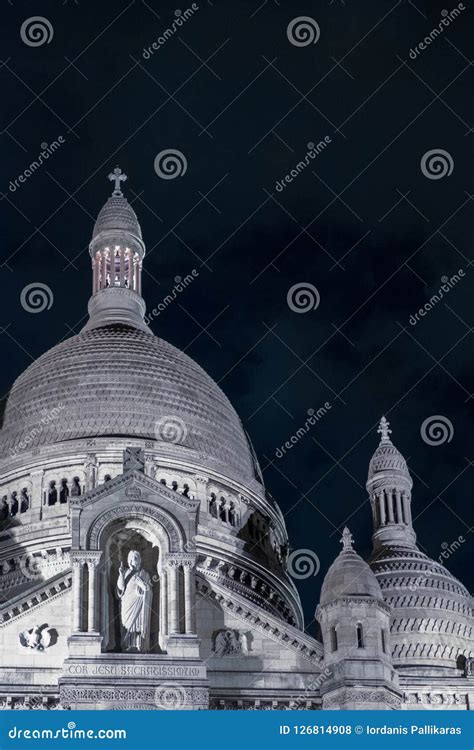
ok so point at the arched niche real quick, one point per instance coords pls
(154, 535)
(170, 530)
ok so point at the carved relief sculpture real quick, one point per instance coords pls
(37, 638)
(230, 643)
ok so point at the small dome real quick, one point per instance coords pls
(349, 575)
(117, 214)
(387, 460)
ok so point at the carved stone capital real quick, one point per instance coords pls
(181, 559)
(76, 561)
(201, 479)
(90, 557)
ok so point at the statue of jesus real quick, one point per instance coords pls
(134, 590)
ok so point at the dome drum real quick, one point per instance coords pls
(116, 305)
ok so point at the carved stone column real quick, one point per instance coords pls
(93, 560)
(189, 563)
(36, 499)
(201, 491)
(406, 506)
(381, 500)
(94, 276)
(90, 468)
(77, 563)
(399, 506)
(389, 496)
(150, 469)
(164, 603)
(173, 594)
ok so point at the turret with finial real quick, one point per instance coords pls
(389, 486)
(117, 250)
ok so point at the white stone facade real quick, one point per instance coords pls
(130, 445)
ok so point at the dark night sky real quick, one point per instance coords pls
(362, 223)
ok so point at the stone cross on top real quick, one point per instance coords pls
(117, 176)
(384, 430)
(346, 539)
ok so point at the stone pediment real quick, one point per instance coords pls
(35, 596)
(133, 495)
(257, 619)
(134, 485)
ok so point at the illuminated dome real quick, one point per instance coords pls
(431, 609)
(349, 576)
(116, 378)
(117, 213)
(388, 459)
(119, 380)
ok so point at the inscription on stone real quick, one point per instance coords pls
(149, 671)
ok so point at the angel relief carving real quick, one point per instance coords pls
(39, 637)
(230, 643)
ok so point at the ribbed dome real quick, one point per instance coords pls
(431, 609)
(388, 459)
(121, 381)
(117, 214)
(349, 575)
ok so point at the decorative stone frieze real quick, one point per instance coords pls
(35, 598)
(345, 696)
